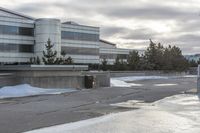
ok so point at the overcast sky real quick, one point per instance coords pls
(129, 23)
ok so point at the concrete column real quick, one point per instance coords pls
(45, 29)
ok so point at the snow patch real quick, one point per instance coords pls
(120, 83)
(190, 76)
(137, 78)
(130, 104)
(160, 85)
(27, 90)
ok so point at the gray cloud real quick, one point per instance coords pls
(139, 34)
(150, 12)
(184, 31)
(111, 31)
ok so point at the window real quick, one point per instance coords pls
(14, 30)
(123, 56)
(15, 48)
(26, 48)
(80, 51)
(79, 36)
(113, 56)
(26, 31)
(108, 56)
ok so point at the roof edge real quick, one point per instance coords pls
(16, 13)
(64, 23)
(101, 40)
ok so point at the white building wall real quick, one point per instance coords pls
(114, 51)
(16, 39)
(47, 29)
(80, 28)
(11, 19)
(79, 44)
(85, 59)
(15, 57)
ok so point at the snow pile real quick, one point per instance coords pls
(130, 104)
(159, 85)
(27, 90)
(137, 78)
(176, 114)
(190, 76)
(120, 83)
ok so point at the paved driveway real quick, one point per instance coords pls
(24, 114)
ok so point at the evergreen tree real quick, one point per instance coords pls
(63, 53)
(133, 60)
(104, 64)
(120, 64)
(38, 61)
(168, 64)
(193, 63)
(198, 62)
(69, 60)
(117, 64)
(150, 55)
(159, 58)
(35, 61)
(50, 56)
(178, 60)
(154, 56)
(144, 63)
(123, 65)
(32, 60)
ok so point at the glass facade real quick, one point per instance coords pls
(16, 48)
(79, 36)
(80, 51)
(123, 56)
(108, 56)
(14, 30)
(114, 56)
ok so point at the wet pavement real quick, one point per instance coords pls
(174, 114)
(28, 113)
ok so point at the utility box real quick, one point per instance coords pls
(89, 81)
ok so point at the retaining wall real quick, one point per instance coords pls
(144, 73)
(54, 78)
(8, 79)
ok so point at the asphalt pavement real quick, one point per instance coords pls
(28, 113)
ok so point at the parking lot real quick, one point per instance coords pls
(28, 113)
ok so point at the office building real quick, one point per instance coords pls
(23, 37)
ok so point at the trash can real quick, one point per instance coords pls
(89, 81)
